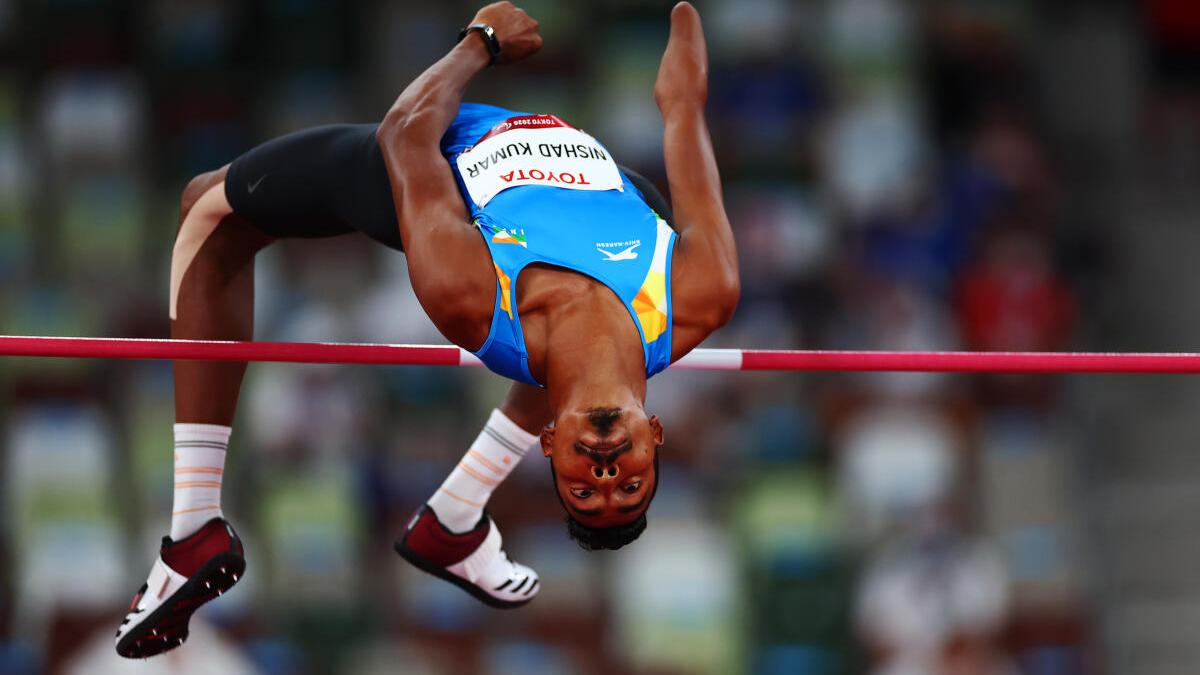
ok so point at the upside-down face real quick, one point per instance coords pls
(604, 464)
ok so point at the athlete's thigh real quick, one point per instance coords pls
(312, 183)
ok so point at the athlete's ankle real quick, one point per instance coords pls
(199, 469)
(460, 501)
(453, 514)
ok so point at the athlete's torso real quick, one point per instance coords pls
(542, 192)
(332, 180)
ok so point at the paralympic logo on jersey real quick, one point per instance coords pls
(526, 122)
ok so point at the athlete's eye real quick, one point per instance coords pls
(581, 493)
(632, 487)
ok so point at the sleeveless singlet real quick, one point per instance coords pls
(541, 191)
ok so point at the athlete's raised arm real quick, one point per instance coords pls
(447, 259)
(704, 282)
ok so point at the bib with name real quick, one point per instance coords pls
(535, 150)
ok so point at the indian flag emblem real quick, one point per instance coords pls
(506, 237)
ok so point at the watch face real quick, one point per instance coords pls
(493, 44)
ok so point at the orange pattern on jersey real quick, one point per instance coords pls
(650, 305)
(505, 290)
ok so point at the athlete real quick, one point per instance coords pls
(526, 245)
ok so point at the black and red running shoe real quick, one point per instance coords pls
(187, 574)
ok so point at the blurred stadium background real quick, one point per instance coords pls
(979, 174)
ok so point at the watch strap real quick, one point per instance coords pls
(489, 38)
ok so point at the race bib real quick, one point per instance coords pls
(536, 150)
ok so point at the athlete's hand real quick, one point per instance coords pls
(683, 73)
(516, 30)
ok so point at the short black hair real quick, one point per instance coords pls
(600, 538)
(606, 538)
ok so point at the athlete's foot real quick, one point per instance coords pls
(474, 561)
(187, 574)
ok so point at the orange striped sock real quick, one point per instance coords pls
(199, 469)
(459, 502)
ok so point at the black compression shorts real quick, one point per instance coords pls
(331, 180)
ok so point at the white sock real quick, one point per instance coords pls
(199, 468)
(459, 502)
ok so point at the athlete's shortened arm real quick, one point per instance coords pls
(410, 133)
(705, 278)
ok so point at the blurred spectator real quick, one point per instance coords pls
(1174, 121)
(895, 461)
(935, 603)
(1012, 299)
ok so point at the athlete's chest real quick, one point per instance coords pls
(550, 304)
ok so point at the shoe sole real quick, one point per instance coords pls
(425, 565)
(167, 627)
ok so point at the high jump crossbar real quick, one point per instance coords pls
(698, 359)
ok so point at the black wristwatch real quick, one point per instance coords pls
(489, 38)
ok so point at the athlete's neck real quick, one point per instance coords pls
(593, 358)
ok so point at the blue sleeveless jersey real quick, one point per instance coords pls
(540, 191)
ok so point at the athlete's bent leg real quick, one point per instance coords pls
(509, 433)
(452, 536)
(211, 297)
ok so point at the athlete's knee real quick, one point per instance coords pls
(196, 187)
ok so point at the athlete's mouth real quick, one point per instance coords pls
(605, 444)
(604, 454)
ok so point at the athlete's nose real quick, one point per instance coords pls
(606, 472)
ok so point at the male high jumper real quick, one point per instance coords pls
(526, 245)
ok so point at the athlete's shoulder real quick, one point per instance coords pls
(469, 112)
(472, 122)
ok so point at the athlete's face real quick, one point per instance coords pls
(603, 463)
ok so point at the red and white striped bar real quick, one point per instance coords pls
(699, 359)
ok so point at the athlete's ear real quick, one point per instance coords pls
(656, 427)
(547, 438)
